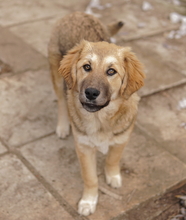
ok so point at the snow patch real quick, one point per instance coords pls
(182, 104)
(96, 4)
(146, 6)
(176, 18)
(176, 2)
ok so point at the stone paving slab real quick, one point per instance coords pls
(161, 116)
(143, 176)
(20, 11)
(153, 161)
(18, 54)
(164, 62)
(23, 197)
(28, 107)
(137, 21)
(37, 34)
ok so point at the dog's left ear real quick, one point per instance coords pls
(68, 65)
(134, 78)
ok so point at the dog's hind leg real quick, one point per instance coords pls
(63, 125)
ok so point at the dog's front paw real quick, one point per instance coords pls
(87, 206)
(63, 131)
(114, 181)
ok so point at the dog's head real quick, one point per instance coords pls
(101, 72)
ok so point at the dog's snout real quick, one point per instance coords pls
(91, 93)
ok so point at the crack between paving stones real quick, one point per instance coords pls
(159, 145)
(4, 154)
(47, 186)
(12, 74)
(18, 37)
(150, 34)
(34, 140)
(41, 179)
(29, 21)
(165, 88)
(39, 19)
(42, 19)
(126, 215)
(5, 145)
(164, 211)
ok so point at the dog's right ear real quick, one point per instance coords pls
(68, 64)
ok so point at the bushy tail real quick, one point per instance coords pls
(114, 27)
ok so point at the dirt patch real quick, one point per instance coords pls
(163, 207)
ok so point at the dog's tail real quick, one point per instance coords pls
(114, 27)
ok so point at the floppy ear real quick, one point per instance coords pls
(68, 65)
(134, 74)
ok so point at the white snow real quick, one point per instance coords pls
(176, 2)
(182, 104)
(176, 18)
(146, 6)
(96, 4)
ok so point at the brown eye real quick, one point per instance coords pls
(87, 67)
(111, 72)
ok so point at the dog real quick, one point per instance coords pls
(95, 83)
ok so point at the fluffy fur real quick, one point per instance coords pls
(101, 80)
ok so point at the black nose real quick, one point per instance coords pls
(91, 93)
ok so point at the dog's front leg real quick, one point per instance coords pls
(87, 159)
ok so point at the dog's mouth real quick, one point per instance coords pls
(93, 107)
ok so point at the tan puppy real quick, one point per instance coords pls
(102, 79)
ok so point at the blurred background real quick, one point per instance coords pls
(39, 174)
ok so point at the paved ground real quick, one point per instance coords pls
(39, 174)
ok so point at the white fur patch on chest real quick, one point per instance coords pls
(102, 140)
(101, 143)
